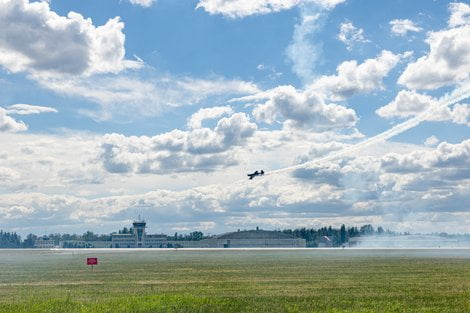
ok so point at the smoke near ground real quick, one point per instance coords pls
(411, 242)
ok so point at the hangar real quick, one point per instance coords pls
(240, 239)
(258, 239)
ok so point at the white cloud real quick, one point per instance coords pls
(353, 78)
(38, 41)
(72, 57)
(271, 70)
(431, 141)
(302, 109)
(9, 124)
(402, 27)
(195, 121)
(460, 114)
(127, 97)
(318, 150)
(243, 8)
(460, 14)
(327, 4)
(383, 189)
(73, 175)
(350, 35)
(444, 156)
(144, 3)
(409, 103)
(26, 109)
(451, 155)
(309, 108)
(51, 163)
(7, 174)
(447, 63)
(322, 149)
(74, 164)
(200, 149)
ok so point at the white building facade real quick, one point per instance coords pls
(44, 243)
(139, 238)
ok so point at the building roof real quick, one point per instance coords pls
(256, 234)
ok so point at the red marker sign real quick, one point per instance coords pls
(91, 261)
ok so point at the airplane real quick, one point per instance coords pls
(256, 173)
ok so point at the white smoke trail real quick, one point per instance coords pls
(449, 99)
(304, 52)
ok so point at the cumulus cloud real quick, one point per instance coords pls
(199, 149)
(51, 162)
(195, 121)
(322, 149)
(240, 8)
(9, 124)
(396, 163)
(392, 181)
(444, 156)
(407, 103)
(327, 4)
(310, 109)
(451, 155)
(431, 141)
(350, 35)
(353, 78)
(410, 103)
(243, 8)
(27, 109)
(359, 189)
(460, 14)
(73, 57)
(7, 174)
(36, 40)
(395, 178)
(402, 27)
(301, 109)
(447, 63)
(143, 3)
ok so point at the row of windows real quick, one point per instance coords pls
(134, 241)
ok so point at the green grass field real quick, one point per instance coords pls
(236, 281)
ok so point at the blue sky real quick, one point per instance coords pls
(112, 109)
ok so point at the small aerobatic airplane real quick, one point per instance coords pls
(256, 173)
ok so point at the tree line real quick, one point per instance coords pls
(337, 237)
(11, 240)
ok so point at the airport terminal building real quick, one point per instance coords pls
(139, 239)
(44, 242)
(240, 239)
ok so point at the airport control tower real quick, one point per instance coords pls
(139, 231)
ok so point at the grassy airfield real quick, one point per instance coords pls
(236, 281)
